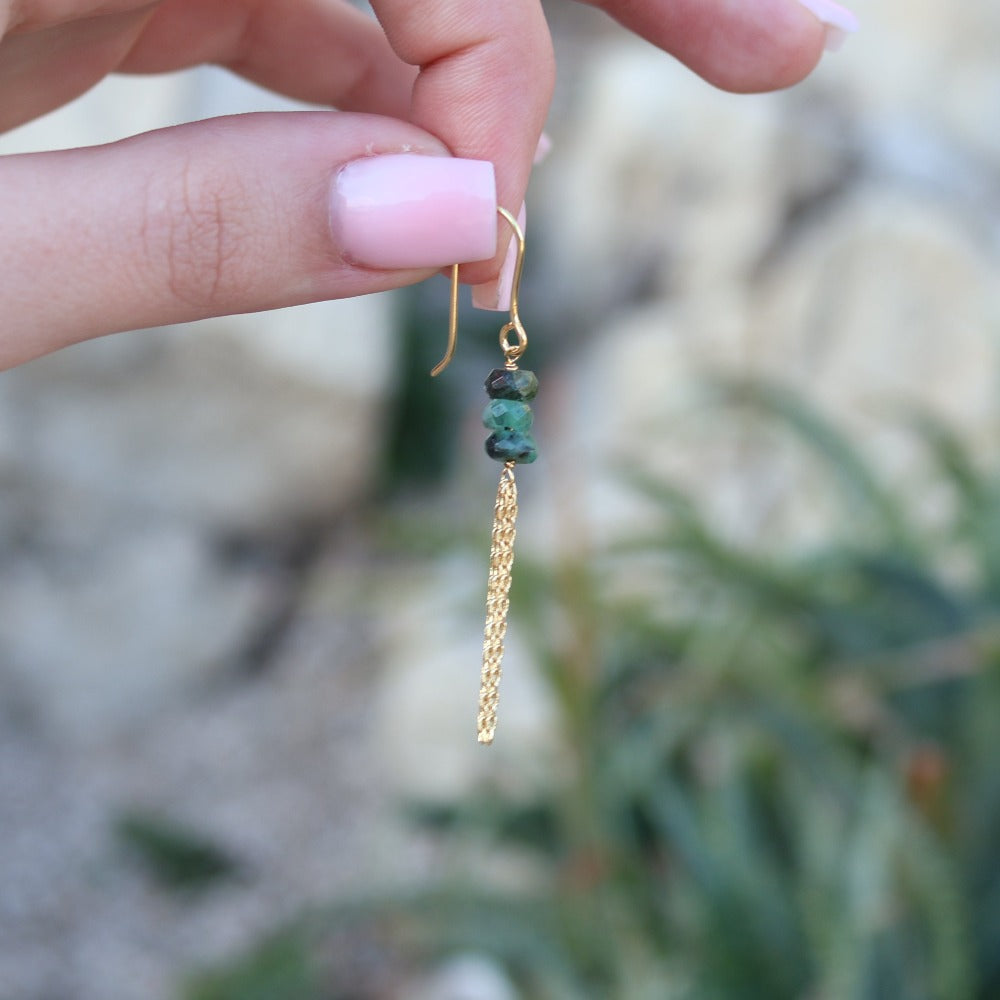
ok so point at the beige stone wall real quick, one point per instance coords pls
(842, 237)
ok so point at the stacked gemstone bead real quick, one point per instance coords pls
(508, 415)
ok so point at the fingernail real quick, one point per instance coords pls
(495, 295)
(406, 210)
(838, 21)
(543, 148)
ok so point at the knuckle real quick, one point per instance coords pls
(192, 235)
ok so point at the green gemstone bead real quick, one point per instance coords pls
(503, 383)
(507, 415)
(512, 446)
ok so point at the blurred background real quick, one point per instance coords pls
(751, 704)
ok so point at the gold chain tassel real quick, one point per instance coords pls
(497, 602)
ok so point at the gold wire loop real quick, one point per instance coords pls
(511, 351)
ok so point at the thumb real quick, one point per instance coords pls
(226, 216)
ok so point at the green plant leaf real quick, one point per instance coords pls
(175, 855)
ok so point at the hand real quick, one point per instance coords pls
(255, 212)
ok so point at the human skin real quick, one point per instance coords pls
(233, 215)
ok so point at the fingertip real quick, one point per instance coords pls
(777, 46)
(741, 48)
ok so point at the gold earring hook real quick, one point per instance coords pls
(452, 326)
(512, 351)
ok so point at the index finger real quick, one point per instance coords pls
(484, 86)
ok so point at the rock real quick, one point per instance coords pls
(95, 637)
(888, 301)
(929, 64)
(213, 425)
(886, 304)
(664, 182)
(465, 977)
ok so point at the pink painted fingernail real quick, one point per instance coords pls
(838, 21)
(406, 210)
(495, 295)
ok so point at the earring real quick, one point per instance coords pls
(508, 416)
